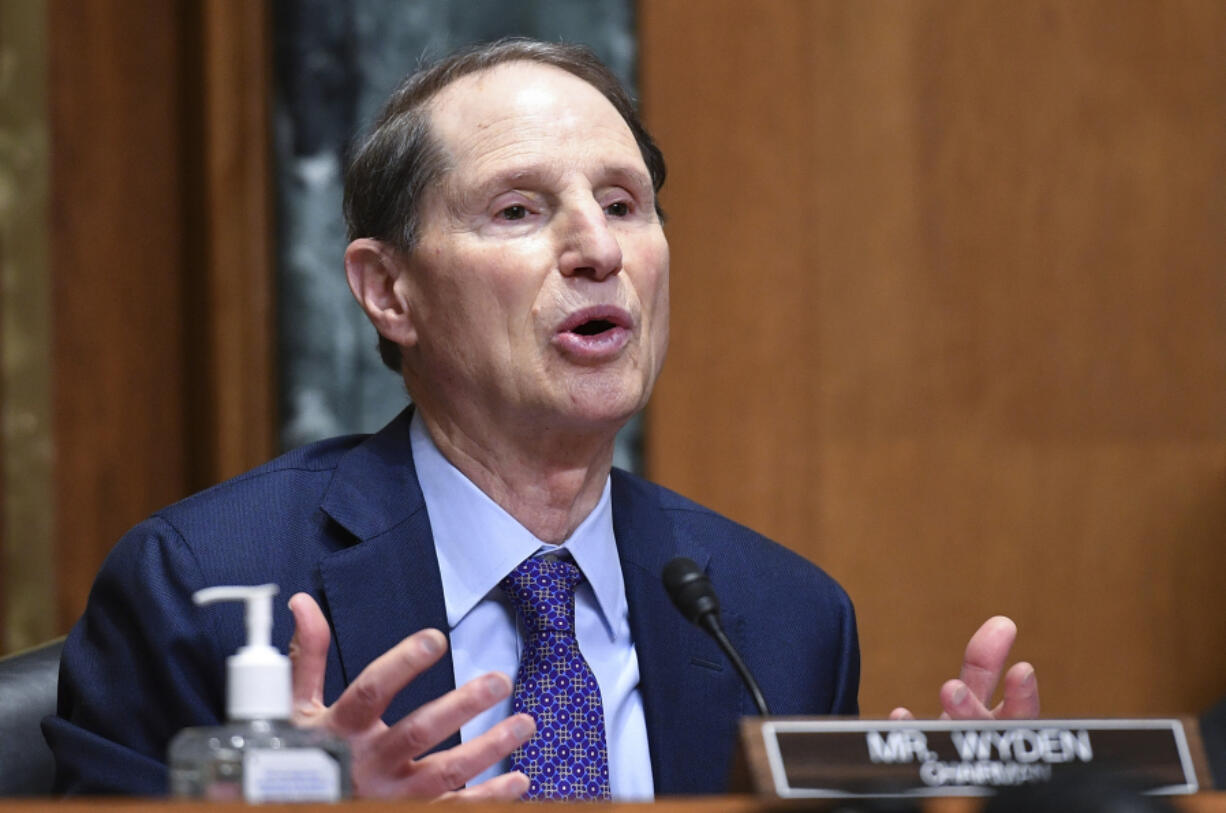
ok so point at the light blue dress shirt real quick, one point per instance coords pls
(478, 543)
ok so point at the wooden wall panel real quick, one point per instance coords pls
(160, 262)
(239, 418)
(950, 319)
(117, 229)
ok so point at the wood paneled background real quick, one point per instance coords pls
(949, 318)
(949, 307)
(160, 262)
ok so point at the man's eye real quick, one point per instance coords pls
(516, 212)
(619, 209)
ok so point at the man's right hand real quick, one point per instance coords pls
(387, 760)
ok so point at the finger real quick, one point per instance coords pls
(960, 703)
(901, 713)
(367, 697)
(985, 656)
(449, 770)
(1021, 694)
(433, 722)
(507, 787)
(308, 652)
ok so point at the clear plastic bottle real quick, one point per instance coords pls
(258, 755)
(258, 760)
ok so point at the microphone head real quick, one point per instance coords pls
(690, 589)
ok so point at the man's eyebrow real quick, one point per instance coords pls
(515, 178)
(636, 179)
(477, 196)
(630, 175)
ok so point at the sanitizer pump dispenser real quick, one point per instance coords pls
(259, 755)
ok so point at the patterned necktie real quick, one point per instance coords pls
(568, 758)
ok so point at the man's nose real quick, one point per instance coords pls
(589, 246)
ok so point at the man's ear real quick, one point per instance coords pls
(377, 278)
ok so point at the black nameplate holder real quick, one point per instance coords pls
(825, 758)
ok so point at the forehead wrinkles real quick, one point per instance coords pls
(521, 113)
(512, 89)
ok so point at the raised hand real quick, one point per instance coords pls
(968, 696)
(388, 761)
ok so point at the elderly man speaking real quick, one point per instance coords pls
(477, 600)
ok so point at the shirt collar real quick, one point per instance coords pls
(478, 542)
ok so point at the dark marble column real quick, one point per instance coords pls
(336, 64)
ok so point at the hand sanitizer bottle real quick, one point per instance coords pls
(259, 755)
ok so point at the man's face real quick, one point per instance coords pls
(538, 288)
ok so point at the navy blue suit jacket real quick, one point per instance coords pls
(344, 520)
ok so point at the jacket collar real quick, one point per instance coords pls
(386, 585)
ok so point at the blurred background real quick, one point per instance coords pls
(949, 296)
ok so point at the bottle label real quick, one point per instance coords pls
(290, 775)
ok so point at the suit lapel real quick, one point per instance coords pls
(387, 585)
(691, 697)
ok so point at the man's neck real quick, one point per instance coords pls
(549, 482)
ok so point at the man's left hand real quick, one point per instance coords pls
(967, 696)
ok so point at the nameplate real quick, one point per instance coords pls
(884, 758)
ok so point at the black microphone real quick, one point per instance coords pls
(692, 592)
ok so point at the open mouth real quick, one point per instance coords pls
(594, 334)
(595, 320)
(593, 327)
